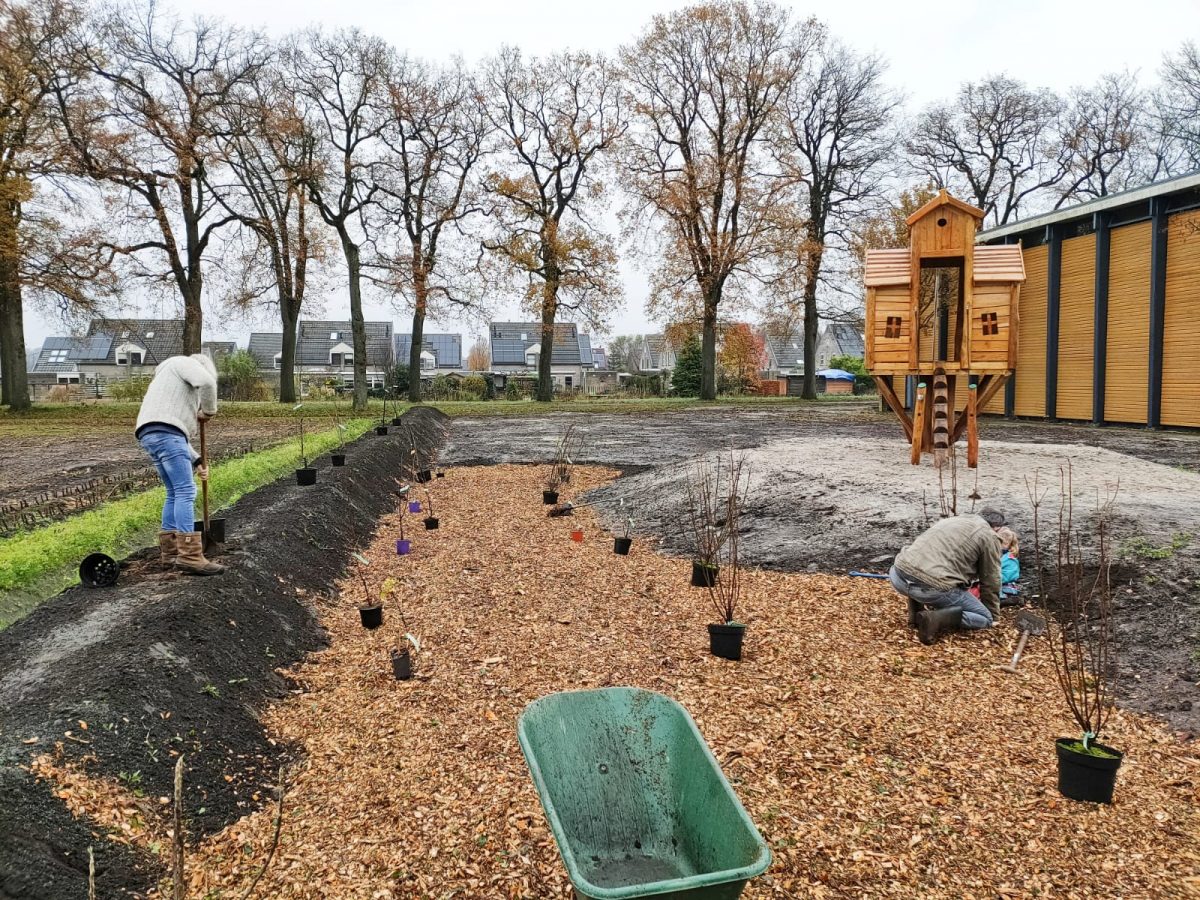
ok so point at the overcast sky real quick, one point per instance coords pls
(930, 50)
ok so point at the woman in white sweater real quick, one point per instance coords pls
(182, 393)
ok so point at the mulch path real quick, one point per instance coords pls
(873, 766)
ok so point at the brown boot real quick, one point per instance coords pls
(191, 557)
(167, 548)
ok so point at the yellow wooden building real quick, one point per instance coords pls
(1108, 324)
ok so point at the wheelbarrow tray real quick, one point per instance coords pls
(636, 801)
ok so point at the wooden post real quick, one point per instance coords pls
(972, 427)
(919, 415)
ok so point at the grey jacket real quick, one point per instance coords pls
(182, 386)
(955, 552)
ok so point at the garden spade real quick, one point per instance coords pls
(1028, 624)
(204, 539)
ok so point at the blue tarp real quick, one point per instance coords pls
(835, 375)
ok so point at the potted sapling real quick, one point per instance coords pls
(396, 419)
(431, 520)
(624, 541)
(553, 483)
(725, 636)
(338, 457)
(305, 475)
(1078, 606)
(370, 611)
(403, 545)
(704, 520)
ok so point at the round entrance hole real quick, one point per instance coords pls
(941, 223)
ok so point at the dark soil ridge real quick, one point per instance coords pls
(203, 650)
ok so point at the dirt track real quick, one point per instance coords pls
(834, 493)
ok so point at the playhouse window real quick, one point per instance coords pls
(991, 324)
(893, 327)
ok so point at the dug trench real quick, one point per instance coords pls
(131, 676)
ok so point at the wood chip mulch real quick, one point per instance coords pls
(874, 766)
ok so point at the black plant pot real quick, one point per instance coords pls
(704, 575)
(372, 616)
(725, 641)
(621, 546)
(401, 665)
(431, 523)
(424, 475)
(441, 474)
(338, 459)
(306, 476)
(216, 530)
(99, 570)
(1082, 776)
(549, 497)
(396, 421)
(381, 429)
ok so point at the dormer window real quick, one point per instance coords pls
(278, 360)
(335, 335)
(428, 361)
(341, 355)
(532, 355)
(130, 355)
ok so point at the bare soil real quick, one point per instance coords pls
(834, 492)
(162, 664)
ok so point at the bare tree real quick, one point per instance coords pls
(1177, 111)
(340, 81)
(836, 143)
(435, 138)
(149, 127)
(556, 118)
(1102, 133)
(479, 357)
(706, 81)
(45, 252)
(266, 149)
(995, 144)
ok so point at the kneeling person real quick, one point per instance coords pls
(937, 569)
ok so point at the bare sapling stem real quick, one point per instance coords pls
(177, 886)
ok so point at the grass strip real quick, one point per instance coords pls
(48, 556)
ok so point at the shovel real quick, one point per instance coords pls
(1028, 624)
(205, 543)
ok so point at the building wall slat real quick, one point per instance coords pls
(1181, 334)
(1031, 363)
(1076, 327)
(1126, 375)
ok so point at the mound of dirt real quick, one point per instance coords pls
(161, 664)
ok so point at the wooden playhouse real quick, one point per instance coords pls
(944, 311)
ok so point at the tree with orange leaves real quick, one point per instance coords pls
(743, 356)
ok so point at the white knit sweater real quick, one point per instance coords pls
(182, 386)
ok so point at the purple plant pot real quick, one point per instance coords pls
(414, 506)
(403, 548)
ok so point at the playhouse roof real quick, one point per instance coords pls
(943, 198)
(997, 262)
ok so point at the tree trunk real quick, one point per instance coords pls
(418, 331)
(545, 385)
(708, 346)
(12, 324)
(289, 316)
(357, 324)
(811, 274)
(193, 319)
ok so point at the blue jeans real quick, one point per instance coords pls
(172, 458)
(974, 613)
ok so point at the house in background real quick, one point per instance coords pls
(839, 340)
(517, 347)
(441, 354)
(325, 353)
(267, 349)
(111, 350)
(655, 355)
(785, 353)
(600, 358)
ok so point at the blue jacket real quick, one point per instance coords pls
(1010, 568)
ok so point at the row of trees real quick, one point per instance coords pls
(753, 156)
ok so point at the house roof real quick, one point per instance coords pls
(446, 348)
(585, 351)
(1187, 181)
(264, 345)
(786, 349)
(600, 357)
(511, 339)
(848, 339)
(996, 262)
(314, 341)
(56, 355)
(160, 338)
(943, 198)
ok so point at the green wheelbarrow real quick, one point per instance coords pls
(636, 801)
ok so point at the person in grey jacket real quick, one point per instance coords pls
(935, 571)
(182, 393)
